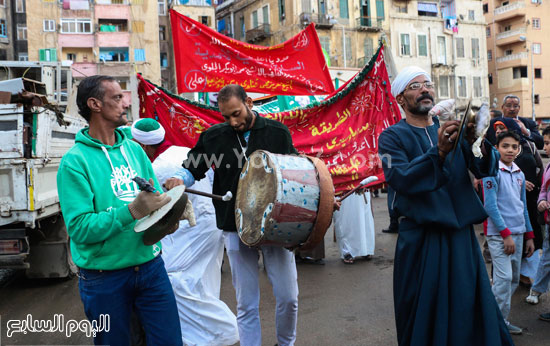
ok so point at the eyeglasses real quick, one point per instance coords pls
(507, 105)
(418, 85)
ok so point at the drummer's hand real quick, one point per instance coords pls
(172, 183)
(337, 204)
(448, 134)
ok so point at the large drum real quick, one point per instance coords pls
(284, 200)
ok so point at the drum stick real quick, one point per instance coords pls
(365, 181)
(228, 195)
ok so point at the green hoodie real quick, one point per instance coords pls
(95, 187)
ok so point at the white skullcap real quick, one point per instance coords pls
(148, 131)
(405, 77)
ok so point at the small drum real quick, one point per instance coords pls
(284, 200)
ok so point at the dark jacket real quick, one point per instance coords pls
(534, 128)
(219, 147)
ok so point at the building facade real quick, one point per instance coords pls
(348, 30)
(515, 44)
(13, 30)
(447, 39)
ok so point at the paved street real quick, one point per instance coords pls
(339, 304)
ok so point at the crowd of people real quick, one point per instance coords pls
(437, 190)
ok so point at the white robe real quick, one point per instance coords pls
(193, 258)
(354, 226)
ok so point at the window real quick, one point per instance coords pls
(369, 49)
(344, 11)
(405, 47)
(489, 55)
(422, 45)
(325, 44)
(460, 47)
(538, 73)
(163, 59)
(76, 26)
(380, 15)
(508, 52)
(22, 32)
(112, 54)
(441, 50)
(205, 20)
(401, 9)
(443, 86)
(265, 14)
(243, 28)
(471, 15)
(462, 89)
(535, 1)
(475, 48)
(139, 54)
(71, 56)
(281, 9)
(427, 9)
(162, 33)
(254, 19)
(49, 25)
(23, 57)
(20, 6)
(3, 28)
(478, 90)
(536, 48)
(490, 77)
(49, 54)
(519, 72)
(488, 31)
(537, 99)
(113, 25)
(485, 8)
(507, 28)
(162, 7)
(349, 51)
(536, 23)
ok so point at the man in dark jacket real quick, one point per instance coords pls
(227, 146)
(529, 128)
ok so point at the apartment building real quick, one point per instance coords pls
(13, 30)
(112, 37)
(447, 39)
(516, 48)
(349, 30)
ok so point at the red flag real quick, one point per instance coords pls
(342, 130)
(207, 61)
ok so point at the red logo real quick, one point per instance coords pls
(195, 80)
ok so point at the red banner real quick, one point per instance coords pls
(207, 61)
(342, 130)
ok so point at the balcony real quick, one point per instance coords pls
(115, 69)
(259, 33)
(321, 21)
(115, 11)
(83, 69)
(76, 40)
(515, 9)
(518, 59)
(113, 39)
(369, 23)
(511, 36)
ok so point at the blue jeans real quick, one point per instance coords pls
(145, 289)
(543, 272)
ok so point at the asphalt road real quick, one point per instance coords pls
(339, 304)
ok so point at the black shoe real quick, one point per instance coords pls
(389, 230)
(545, 317)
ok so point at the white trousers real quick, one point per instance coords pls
(281, 271)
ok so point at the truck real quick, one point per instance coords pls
(34, 135)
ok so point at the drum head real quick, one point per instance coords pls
(256, 191)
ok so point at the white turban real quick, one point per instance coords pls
(405, 77)
(148, 131)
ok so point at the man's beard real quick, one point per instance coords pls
(420, 109)
(248, 121)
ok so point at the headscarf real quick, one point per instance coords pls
(405, 77)
(148, 131)
(510, 125)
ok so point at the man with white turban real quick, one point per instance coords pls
(192, 255)
(442, 293)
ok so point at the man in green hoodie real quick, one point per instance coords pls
(100, 204)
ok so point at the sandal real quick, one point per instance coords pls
(348, 259)
(533, 297)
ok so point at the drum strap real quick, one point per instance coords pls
(242, 148)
